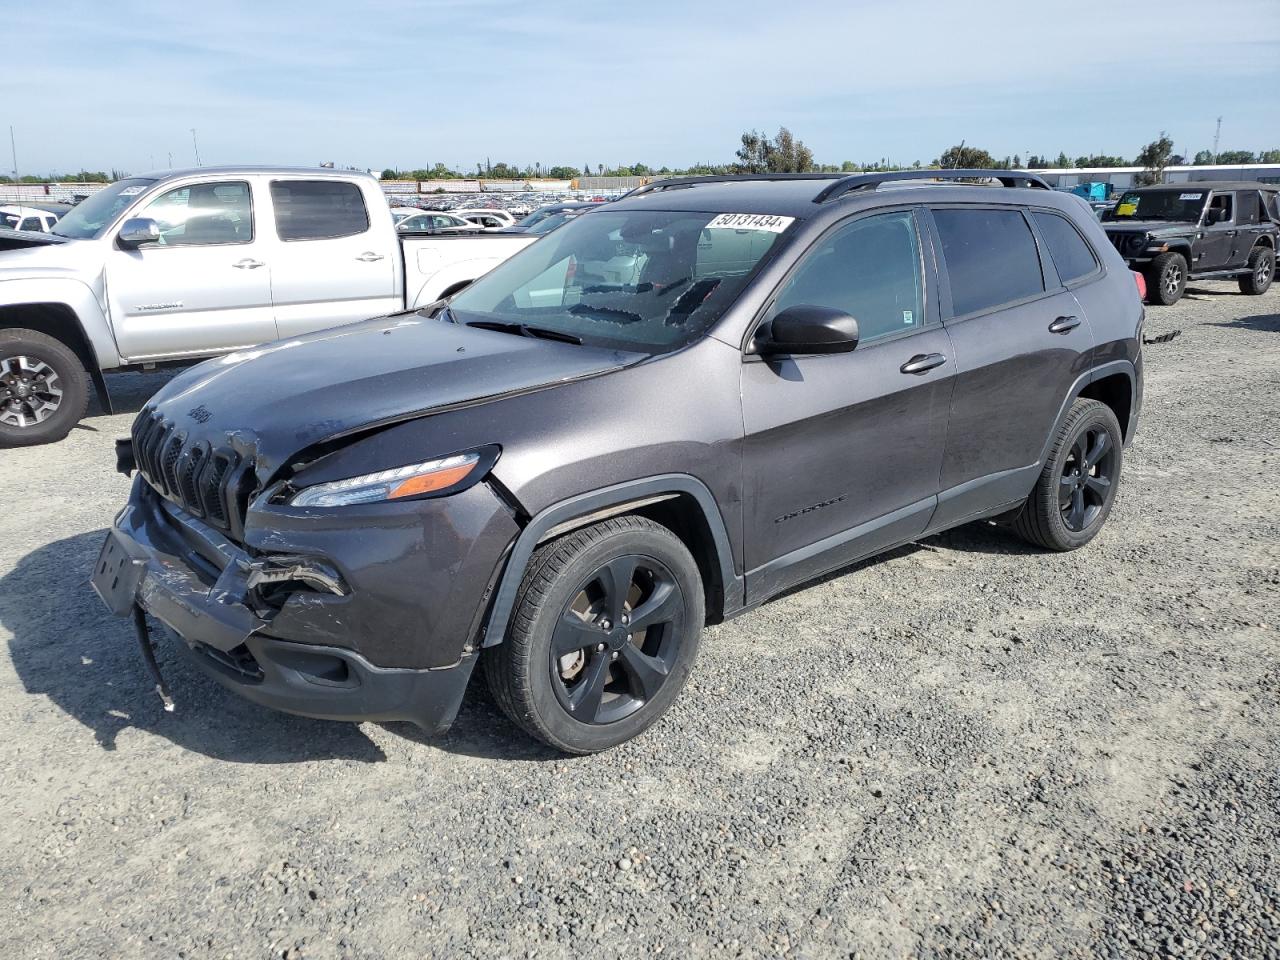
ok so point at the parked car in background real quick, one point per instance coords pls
(562, 476)
(400, 213)
(436, 222)
(547, 218)
(17, 217)
(486, 220)
(1203, 230)
(475, 214)
(194, 263)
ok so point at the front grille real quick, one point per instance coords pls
(213, 484)
(1128, 244)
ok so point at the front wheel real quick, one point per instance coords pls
(1262, 270)
(604, 634)
(1077, 487)
(44, 389)
(1167, 278)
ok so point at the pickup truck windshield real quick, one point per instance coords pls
(1183, 205)
(638, 280)
(86, 219)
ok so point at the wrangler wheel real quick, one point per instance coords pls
(1167, 278)
(1262, 270)
(603, 637)
(44, 389)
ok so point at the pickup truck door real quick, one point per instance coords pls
(334, 260)
(203, 288)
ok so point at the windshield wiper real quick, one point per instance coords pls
(525, 330)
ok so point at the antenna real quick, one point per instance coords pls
(1216, 134)
(195, 145)
(13, 145)
(959, 155)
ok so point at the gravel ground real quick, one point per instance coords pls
(964, 748)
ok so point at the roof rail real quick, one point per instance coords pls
(869, 181)
(669, 183)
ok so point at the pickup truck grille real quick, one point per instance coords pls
(214, 484)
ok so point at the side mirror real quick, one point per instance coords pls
(808, 329)
(1215, 215)
(137, 231)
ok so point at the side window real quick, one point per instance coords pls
(203, 214)
(870, 269)
(1071, 253)
(318, 209)
(32, 223)
(1249, 207)
(1222, 202)
(991, 258)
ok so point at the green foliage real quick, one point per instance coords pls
(1269, 156)
(1153, 158)
(1100, 160)
(783, 154)
(960, 157)
(1237, 156)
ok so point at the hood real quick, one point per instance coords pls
(272, 402)
(24, 254)
(1157, 227)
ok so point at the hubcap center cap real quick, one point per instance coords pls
(618, 638)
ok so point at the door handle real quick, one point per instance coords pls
(923, 362)
(248, 264)
(1064, 324)
(369, 257)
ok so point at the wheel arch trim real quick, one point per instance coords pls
(1092, 375)
(586, 508)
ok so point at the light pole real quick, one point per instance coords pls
(195, 145)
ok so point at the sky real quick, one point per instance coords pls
(665, 82)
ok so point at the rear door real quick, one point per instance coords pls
(1021, 340)
(333, 263)
(842, 451)
(1218, 241)
(1251, 223)
(205, 286)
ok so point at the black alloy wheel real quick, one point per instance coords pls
(615, 643)
(1087, 475)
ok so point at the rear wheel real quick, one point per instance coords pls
(603, 637)
(1077, 487)
(1262, 270)
(1167, 278)
(44, 389)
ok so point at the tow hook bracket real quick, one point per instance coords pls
(149, 655)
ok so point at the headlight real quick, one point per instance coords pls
(429, 478)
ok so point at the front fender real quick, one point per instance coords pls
(78, 297)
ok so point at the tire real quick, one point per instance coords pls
(1069, 505)
(1262, 270)
(1167, 279)
(44, 388)
(550, 675)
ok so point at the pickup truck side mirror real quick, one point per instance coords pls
(1214, 215)
(137, 231)
(804, 328)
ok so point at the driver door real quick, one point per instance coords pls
(203, 288)
(1218, 240)
(843, 452)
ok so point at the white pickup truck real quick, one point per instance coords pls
(195, 263)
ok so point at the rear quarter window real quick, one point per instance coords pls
(1071, 253)
(991, 258)
(318, 209)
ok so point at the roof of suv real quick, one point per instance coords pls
(257, 169)
(804, 196)
(1208, 185)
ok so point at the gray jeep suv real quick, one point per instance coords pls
(657, 417)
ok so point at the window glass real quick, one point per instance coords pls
(1250, 209)
(318, 209)
(650, 280)
(203, 214)
(87, 218)
(1180, 203)
(1222, 201)
(32, 223)
(870, 269)
(1071, 254)
(9, 220)
(991, 258)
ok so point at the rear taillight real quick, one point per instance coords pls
(1141, 281)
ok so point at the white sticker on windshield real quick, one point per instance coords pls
(750, 221)
(1190, 196)
(132, 191)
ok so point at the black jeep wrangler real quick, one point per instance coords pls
(1173, 233)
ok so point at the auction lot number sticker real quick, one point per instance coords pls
(750, 221)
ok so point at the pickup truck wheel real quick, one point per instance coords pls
(1262, 270)
(1077, 487)
(603, 636)
(44, 388)
(1167, 278)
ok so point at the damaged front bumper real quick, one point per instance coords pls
(213, 596)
